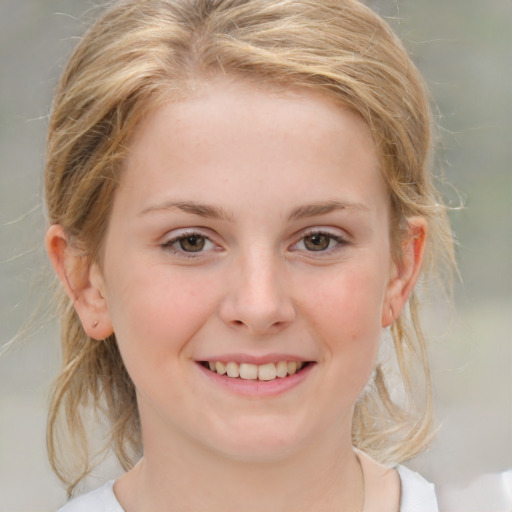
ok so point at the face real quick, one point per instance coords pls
(249, 234)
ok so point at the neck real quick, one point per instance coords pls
(187, 477)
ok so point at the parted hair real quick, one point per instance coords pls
(142, 53)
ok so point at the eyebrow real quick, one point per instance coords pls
(214, 212)
(324, 207)
(203, 210)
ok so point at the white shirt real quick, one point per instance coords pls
(491, 492)
(417, 495)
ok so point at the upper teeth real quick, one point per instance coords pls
(248, 371)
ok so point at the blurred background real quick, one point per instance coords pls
(464, 49)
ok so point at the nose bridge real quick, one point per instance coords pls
(261, 285)
(258, 298)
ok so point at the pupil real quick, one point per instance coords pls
(192, 243)
(317, 242)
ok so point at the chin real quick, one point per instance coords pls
(259, 442)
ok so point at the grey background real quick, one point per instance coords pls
(464, 48)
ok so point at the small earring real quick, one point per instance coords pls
(95, 324)
(392, 315)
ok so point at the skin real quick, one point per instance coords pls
(270, 170)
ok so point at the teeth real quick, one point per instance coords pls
(233, 370)
(248, 371)
(220, 368)
(282, 369)
(269, 371)
(292, 367)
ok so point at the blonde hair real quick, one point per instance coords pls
(144, 52)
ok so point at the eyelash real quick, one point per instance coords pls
(340, 242)
(170, 244)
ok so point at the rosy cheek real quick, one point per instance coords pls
(352, 307)
(175, 307)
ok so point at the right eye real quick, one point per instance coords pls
(192, 243)
(189, 244)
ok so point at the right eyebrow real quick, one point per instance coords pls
(201, 209)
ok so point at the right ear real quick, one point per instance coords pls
(82, 281)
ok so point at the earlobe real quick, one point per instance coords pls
(406, 271)
(82, 281)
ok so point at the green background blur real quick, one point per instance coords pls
(464, 49)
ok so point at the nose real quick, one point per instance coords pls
(258, 299)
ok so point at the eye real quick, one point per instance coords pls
(319, 241)
(189, 243)
(192, 243)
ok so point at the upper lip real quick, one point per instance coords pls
(254, 359)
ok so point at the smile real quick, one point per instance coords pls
(247, 371)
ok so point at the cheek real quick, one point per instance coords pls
(156, 312)
(346, 313)
(350, 302)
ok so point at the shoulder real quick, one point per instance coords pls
(491, 492)
(102, 499)
(417, 494)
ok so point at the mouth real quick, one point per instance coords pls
(264, 372)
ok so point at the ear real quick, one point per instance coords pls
(82, 281)
(405, 273)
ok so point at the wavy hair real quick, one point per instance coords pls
(141, 53)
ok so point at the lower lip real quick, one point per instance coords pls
(258, 388)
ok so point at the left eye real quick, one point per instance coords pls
(318, 242)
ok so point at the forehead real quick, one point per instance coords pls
(271, 137)
(262, 108)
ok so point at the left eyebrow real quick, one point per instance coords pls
(324, 207)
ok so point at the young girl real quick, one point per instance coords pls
(240, 205)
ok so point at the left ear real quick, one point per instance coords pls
(405, 271)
